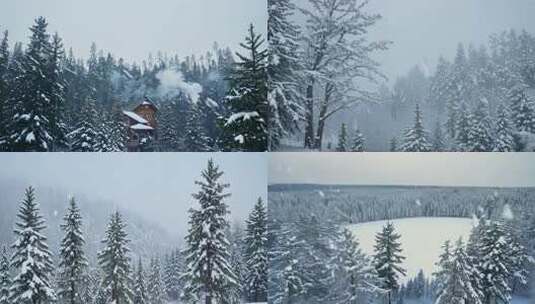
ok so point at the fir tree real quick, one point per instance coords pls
(5, 278)
(31, 258)
(256, 253)
(358, 142)
(480, 138)
(140, 293)
(415, 139)
(155, 285)
(458, 286)
(356, 277)
(56, 110)
(115, 262)
(195, 139)
(173, 271)
(388, 258)
(523, 113)
(245, 128)
(393, 144)
(85, 138)
(342, 139)
(443, 266)
(208, 271)
(30, 126)
(4, 88)
(438, 144)
(504, 131)
(462, 137)
(73, 261)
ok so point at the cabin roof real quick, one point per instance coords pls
(141, 127)
(135, 117)
(147, 102)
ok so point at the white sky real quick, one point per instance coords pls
(133, 29)
(157, 186)
(441, 169)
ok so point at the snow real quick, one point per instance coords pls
(135, 117)
(421, 239)
(141, 127)
(240, 139)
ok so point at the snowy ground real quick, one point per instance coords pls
(421, 239)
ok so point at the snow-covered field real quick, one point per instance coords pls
(421, 238)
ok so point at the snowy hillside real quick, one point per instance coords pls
(421, 239)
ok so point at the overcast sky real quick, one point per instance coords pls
(422, 30)
(157, 186)
(441, 169)
(133, 29)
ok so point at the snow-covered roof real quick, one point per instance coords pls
(135, 117)
(147, 102)
(141, 127)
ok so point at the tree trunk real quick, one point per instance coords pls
(322, 117)
(309, 116)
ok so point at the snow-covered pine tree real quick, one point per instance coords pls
(4, 68)
(155, 285)
(31, 258)
(73, 262)
(356, 278)
(387, 259)
(522, 109)
(208, 275)
(438, 143)
(415, 138)
(115, 262)
(504, 141)
(5, 278)
(358, 141)
(56, 83)
(256, 253)
(462, 129)
(140, 292)
(342, 145)
(173, 272)
(283, 72)
(195, 139)
(245, 128)
(458, 287)
(236, 237)
(85, 136)
(440, 276)
(480, 137)
(439, 85)
(393, 144)
(501, 259)
(169, 125)
(29, 128)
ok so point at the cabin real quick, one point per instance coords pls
(142, 127)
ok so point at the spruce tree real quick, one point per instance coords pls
(356, 278)
(438, 144)
(5, 278)
(155, 285)
(522, 109)
(458, 287)
(342, 139)
(195, 139)
(73, 262)
(31, 259)
(387, 259)
(172, 275)
(415, 139)
(358, 142)
(245, 128)
(480, 137)
(140, 292)
(85, 137)
(256, 253)
(463, 127)
(393, 144)
(30, 126)
(504, 141)
(443, 266)
(115, 262)
(4, 68)
(208, 271)
(56, 83)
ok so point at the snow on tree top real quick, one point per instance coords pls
(141, 127)
(135, 117)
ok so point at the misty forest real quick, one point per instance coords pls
(52, 100)
(328, 91)
(401, 244)
(92, 254)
